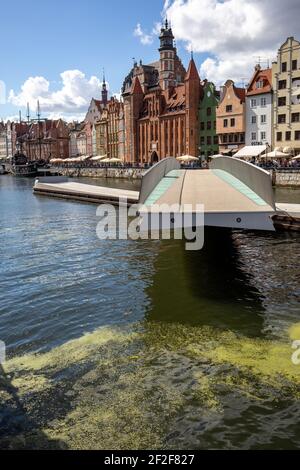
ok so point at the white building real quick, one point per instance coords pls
(77, 141)
(5, 140)
(259, 108)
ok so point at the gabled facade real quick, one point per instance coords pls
(109, 130)
(231, 114)
(286, 86)
(209, 142)
(77, 140)
(46, 139)
(161, 105)
(259, 108)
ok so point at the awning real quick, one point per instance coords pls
(250, 151)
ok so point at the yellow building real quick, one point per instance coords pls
(286, 86)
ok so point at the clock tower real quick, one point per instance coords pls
(168, 55)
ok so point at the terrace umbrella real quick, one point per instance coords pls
(274, 154)
(187, 158)
(115, 160)
(296, 158)
(98, 158)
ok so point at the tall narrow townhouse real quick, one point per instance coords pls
(286, 86)
(259, 108)
(231, 114)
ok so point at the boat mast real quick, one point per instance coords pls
(39, 130)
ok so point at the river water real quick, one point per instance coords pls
(140, 345)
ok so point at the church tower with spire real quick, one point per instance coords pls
(104, 92)
(171, 70)
(168, 55)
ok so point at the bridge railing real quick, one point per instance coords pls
(153, 176)
(257, 179)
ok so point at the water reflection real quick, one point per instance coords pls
(207, 287)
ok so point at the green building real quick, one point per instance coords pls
(209, 144)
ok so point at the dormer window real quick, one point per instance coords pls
(260, 84)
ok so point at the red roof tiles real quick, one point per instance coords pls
(264, 76)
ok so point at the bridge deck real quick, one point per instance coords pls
(85, 192)
(217, 190)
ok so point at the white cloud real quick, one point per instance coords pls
(73, 97)
(145, 38)
(233, 32)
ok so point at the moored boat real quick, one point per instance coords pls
(20, 166)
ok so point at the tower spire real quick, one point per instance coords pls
(104, 92)
(28, 113)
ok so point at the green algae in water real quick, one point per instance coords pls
(142, 388)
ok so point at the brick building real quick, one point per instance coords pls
(110, 130)
(161, 103)
(41, 140)
(231, 118)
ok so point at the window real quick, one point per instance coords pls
(262, 136)
(230, 138)
(202, 140)
(225, 139)
(242, 138)
(253, 136)
(281, 118)
(279, 136)
(229, 108)
(288, 135)
(208, 125)
(282, 101)
(209, 140)
(208, 111)
(295, 117)
(263, 119)
(282, 84)
(253, 103)
(232, 122)
(225, 123)
(263, 102)
(283, 67)
(294, 65)
(202, 126)
(253, 120)
(216, 140)
(260, 84)
(297, 135)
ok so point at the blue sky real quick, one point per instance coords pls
(55, 50)
(45, 38)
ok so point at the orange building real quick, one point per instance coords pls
(161, 102)
(231, 118)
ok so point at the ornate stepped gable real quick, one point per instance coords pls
(161, 103)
